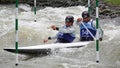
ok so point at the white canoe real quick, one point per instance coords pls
(46, 48)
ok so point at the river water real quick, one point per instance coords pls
(33, 33)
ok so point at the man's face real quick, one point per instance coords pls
(68, 24)
(86, 19)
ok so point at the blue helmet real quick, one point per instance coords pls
(85, 14)
(69, 19)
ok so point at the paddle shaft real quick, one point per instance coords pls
(89, 6)
(35, 11)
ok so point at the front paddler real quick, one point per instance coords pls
(66, 34)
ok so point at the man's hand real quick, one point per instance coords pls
(79, 19)
(45, 41)
(53, 27)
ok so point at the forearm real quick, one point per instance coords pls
(67, 30)
(78, 23)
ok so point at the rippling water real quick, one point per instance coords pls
(32, 33)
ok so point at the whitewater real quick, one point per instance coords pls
(33, 33)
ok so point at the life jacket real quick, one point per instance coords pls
(69, 37)
(91, 28)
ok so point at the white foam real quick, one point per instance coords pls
(24, 7)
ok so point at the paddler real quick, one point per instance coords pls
(66, 34)
(87, 28)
